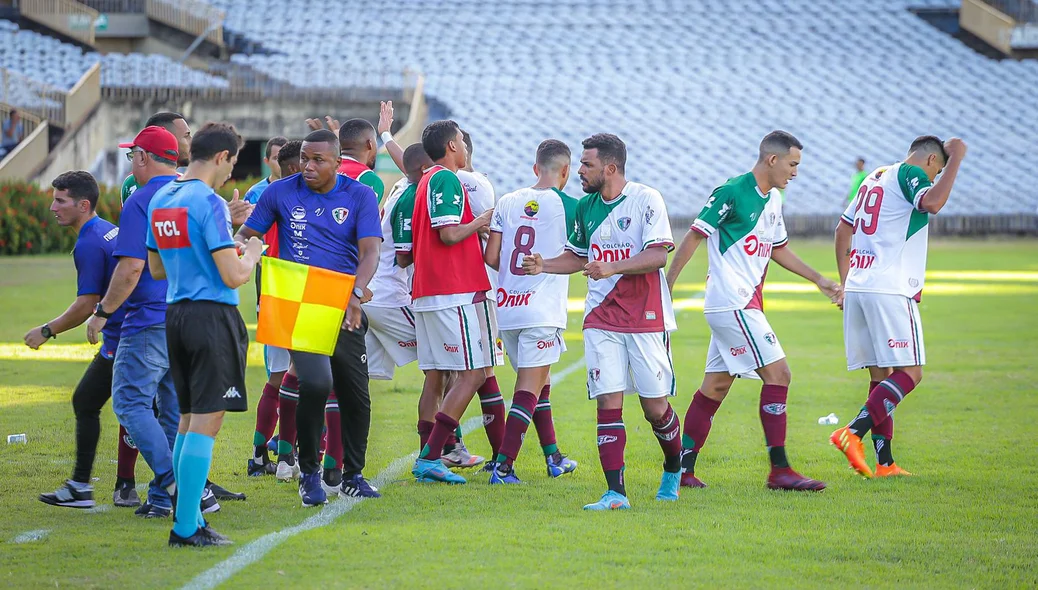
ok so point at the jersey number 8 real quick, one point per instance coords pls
(523, 243)
(869, 200)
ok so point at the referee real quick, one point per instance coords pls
(330, 221)
(190, 245)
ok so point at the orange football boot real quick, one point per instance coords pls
(850, 445)
(891, 470)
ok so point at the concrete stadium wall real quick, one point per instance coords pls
(940, 225)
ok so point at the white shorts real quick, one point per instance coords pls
(495, 332)
(629, 363)
(741, 342)
(456, 339)
(882, 330)
(390, 340)
(533, 347)
(277, 359)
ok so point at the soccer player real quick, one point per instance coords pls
(449, 295)
(276, 359)
(176, 124)
(75, 201)
(190, 245)
(531, 311)
(329, 221)
(620, 240)
(881, 252)
(359, 148)
(744, 231)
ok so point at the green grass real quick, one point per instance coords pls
(966, 520)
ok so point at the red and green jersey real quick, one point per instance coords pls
(364, 175)
(888, 247)
(741, 225)
(616, 230)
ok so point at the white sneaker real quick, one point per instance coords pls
(461, 458)
(287, 472)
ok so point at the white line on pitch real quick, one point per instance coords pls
(255, 550)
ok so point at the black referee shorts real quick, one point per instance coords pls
(208, 345)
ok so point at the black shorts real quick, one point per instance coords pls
(208, 345)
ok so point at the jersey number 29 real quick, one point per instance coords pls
(869, 200)
(524, 237)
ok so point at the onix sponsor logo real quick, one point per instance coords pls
(451, 347)
(506, 299)
(604, 439)
(898, 343)
(754, 246)
(774, 409)
(407, 343)
(738, 350)
(610, 252)
(862, 259)
(543, 344)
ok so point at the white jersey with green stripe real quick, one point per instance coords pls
(391, 285)
(741, 225)
(888, 247)
(531, 220)
(617, 230)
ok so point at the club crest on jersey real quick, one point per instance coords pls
(771, 218)
(650, 214)
(623, 223)
(531, 208)
(339, 214)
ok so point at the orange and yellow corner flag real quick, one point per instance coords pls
(301, 307)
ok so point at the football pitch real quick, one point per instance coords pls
(966, 519)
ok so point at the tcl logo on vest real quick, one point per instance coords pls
(169, 226)
(542, 344)
(610, 253)
(506, 299)
(899, 343)
(754, 246)
(862, 259)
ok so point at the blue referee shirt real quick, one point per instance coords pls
(187, 223)
(95, 263)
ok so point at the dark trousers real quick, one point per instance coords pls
(91, 394)
(346, 371)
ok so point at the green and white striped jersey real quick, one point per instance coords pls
(741, 225)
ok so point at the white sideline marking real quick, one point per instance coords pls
(30, 536)
(256, 550)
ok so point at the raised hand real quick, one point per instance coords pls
(385, 117)
(956, 148)
(239, 209)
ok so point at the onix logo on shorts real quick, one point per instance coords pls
(169, 227)
(542, 344)
(407, 344)
(898, 343)
(604, 439)
(594, 374)
(738, 350)
(774, 409)
(451, 347)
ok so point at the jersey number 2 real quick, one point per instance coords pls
(523, 243)
(870, 201)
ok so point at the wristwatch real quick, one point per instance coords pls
(100, 312)
(46, 332)
(358, 292)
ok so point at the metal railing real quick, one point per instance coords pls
(68, 17)
(1021, 11)
(117, 6)
(191, 16)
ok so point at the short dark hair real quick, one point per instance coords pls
(79, 184)
(465, 137)
(353, 132)
(276, 141)
(214, 138)
(930, 144)
(415, 157)
(611, 149)
(552, 154)
(323, 136)
(163, 119)
(289, 151)
(778, 142)
(437, 135)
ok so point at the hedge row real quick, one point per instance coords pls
(28, 227)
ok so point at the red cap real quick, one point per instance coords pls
(156, 140)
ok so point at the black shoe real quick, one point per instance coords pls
(209, 503)
(149, 510)
(125, 495)
(203, 537)
(223, 493)
(70, 497)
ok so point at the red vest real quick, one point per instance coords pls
(440, 269)
(352, 168)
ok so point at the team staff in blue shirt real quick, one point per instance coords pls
(190, 245)
(75, 201)
(329, 221)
